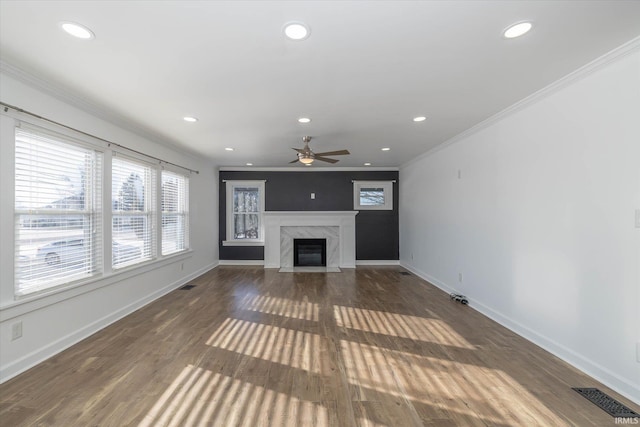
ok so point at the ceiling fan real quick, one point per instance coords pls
(306, 156)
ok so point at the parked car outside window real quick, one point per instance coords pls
(74, 251)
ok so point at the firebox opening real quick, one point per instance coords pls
(309, 252)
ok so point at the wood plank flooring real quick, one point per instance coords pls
(254, 347)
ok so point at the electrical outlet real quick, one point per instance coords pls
(460, 277)
(181, 266)
(16, 331)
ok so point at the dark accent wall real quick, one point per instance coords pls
(377, 231)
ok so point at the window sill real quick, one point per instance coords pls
(373, 208)
(243, 243)
(34, 301)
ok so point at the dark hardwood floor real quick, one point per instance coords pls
(254, 347)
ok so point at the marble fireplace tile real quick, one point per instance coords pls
(288, 233)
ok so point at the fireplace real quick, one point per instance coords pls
(309, 252)
(338, 227)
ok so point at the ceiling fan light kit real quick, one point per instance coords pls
(307, 157)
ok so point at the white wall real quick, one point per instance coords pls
(54, 322)
(541, 221)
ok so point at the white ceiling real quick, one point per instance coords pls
(366, 70)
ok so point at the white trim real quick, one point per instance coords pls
(276, 220)
(241, 262)
(230, 185)
(387, 190)
(600, 373)
(303, 214)
(35, 357)
(37, 301)
(546, 91)
(242, 243)
(309, 270)
(307, 169)
(377, 262)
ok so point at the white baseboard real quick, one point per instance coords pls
(261, 262)
(377, 262)
(40, 355)
(424, 276)
(241, 262)
(589, 367)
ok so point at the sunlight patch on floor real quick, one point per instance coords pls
(399, 325)
(199, 397)
(282, 307)
(442, 389)
(288, 347)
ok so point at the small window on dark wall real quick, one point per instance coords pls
(245, 205)
(373, 195)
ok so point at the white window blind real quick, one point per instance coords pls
(175, 212)
(133, 200)
(58, 233)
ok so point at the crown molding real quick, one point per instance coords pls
(70, 97)
(618, 53)
(306, 169)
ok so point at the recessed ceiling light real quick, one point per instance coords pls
(229, 149)
(249, 164)
(304, 120)
(419, 119)
(296, 30)
(386, 149)
(190, 119)
(77, 30)
(367, 164)
(517, 30)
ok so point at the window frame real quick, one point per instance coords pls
(150, 212)
(92, 213)
(230, 187)
(182, 212)
(103, 274)
(387, 189)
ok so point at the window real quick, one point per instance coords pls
(61, 212)
(245, 205)
(373, 195)
(175, 213)
(133, 200)
(57, 210)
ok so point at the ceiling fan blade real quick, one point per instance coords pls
(326, 159)
(334, 153)
(293, 161)
(299, 150)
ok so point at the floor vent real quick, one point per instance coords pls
(187, 287)
(606, 403)
(405, 273)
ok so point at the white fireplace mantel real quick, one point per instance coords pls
(345, 221)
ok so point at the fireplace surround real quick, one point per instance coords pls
(337, 227)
